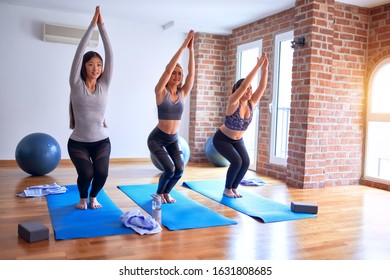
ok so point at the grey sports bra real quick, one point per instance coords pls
(169, 110)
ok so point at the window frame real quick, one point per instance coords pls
(373, 117)
(289, 35)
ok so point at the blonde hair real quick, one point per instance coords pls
(182, 76)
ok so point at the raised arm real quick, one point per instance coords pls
(236, 96)
(189, 82)
(160, 87)
(108, 54)
(78, 58)
(258, 93)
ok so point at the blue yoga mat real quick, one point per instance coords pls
(185, 213)
(69, 222)
(250, 204)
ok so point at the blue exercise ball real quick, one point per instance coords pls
(38, 154)
(186, 153)
(213, 155)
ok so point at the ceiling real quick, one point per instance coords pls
(213, 16)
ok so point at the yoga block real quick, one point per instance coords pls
(303, 207)
(33, 231)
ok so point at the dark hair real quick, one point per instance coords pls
(237, 85)
(71, 116)
(87, 56)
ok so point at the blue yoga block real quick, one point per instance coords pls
(303, 207)
(33, 231)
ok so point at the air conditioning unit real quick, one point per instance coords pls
(67, 34)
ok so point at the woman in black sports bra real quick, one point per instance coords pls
(163, 141)
(228, 139)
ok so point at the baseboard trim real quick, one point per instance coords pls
(64, 162)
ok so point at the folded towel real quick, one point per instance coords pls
(252, 182)
(139, 223)
(42, 190)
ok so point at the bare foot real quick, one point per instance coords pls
(82, 205)
(169, 198)
(236, 193)
(229, 193)
(94, 204)
(163, 201)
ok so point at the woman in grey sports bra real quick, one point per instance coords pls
(163, 141)
(228, 139)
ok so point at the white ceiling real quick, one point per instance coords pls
(213, 16)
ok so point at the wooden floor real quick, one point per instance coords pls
(353, 222)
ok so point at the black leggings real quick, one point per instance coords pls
(235, 152)
(91, 161)
(167, 151)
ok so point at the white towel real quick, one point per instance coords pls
(252, 182)
(139, 223)
(42, 190)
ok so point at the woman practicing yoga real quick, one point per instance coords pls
(89, 146)
(163, 141)
(228, 139)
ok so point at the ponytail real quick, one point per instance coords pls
(71, 116)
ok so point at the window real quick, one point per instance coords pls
(246, 59)
(377, 161)
(281, 98)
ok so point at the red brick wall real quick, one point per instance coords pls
(329, 78)
(311, 85)
(328, 95)
(207, 98)
(379, 36)
(344, 160)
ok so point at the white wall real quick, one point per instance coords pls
(34, 89)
